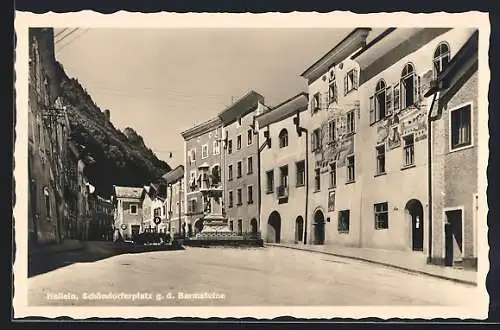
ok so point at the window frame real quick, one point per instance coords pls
(332, 132)
(303, 171)
(332, 92)
(230, 146)
(332, 169)
(270, 183)
(249, 137)
(239, 169)
(136, 208)
(284, 168)
(317, 179)
(378, 157)
(249, 165)
(340, 230)
(451, 148)
(230, 199)
(204, 147)
(239, 142)
(440, 58)
(354, 81)
(351, 124)
(230, 172)
(216, 147)
(283, 138)
(250, 194)
(405, 146)
(239, 197)
(380, 89)
(377, 213)
(348, 179)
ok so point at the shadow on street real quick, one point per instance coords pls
(91, 252)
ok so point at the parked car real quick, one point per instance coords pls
(146, 238)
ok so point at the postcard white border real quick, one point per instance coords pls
(88, 19)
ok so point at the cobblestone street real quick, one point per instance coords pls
(236, 277)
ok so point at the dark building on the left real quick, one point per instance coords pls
(48, 132)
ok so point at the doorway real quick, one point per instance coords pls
(319, 228)
(135, 230)
(415, 212)
(274, 228)
(453, 237)
(253, 227)
(299, 229)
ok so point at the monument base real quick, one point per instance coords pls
(215, 227)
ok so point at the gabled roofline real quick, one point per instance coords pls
(226, 116)
(332, 51)
(201, 128)
(373, 42)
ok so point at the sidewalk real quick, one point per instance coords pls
(411, 262)
(66, 245)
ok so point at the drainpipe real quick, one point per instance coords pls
(301, 130)
(430, 120)
(261, 147)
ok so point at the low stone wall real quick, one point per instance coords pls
(223, 242)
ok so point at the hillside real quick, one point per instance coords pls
(121, 158)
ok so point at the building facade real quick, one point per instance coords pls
(175, 199)
(396, 69)
(101, 225)
(128, 214)
(154, 207)
(283, 157)
(48, 130)
(335, 167)
(240, 149)
(454, 157)
(202, 146)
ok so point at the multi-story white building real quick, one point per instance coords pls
(128, 211)
(335, 170)
(283, 158)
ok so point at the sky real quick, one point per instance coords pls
(161, 82)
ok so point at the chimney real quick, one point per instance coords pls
(107, 114)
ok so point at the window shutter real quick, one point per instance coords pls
(355, 79)
(396, 98)
(335, 92)
(345, 85)
(312, 104)
(388, 101)
(323, 101)
(372, 109)
(416, 91)
(313, 141)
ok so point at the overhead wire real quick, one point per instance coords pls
(67, 35)
(72, 41)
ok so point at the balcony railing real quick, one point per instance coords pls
(281, 192)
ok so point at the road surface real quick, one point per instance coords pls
(237, 277)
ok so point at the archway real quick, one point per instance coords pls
(274, 228)
(198, 226)
(319, 227)
(253, 226)
(415, 213)
(299, 229)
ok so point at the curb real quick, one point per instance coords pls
(456, 280)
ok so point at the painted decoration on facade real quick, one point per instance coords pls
(331, 201)
(394, 139)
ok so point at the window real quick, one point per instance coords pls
(240, 226)
(238, 170)
(249, 165)
(331, 131)
(231, 200)
(343, 225)
(230, 146)
(409, 150)
(316, 140)
(249, 137)
(230, 173)
(410, 86)
(380, 150)
(350, 81)
(47, 201)
(238, 142)
(332, 92)
(317, 180)
(441, 58)
(270, 181)
(301, 173)
(157, 212)
(192, 155)
(133, 209)
(315, 102)
(333, 175)
(396, 99)
(204, 151)
(350, 169)
(250, 194)
(460, 127)
(283, 137)
(351, 126)
(381, 216)
(216, 148)
(239, 197)
(284, 176)
(231, 225)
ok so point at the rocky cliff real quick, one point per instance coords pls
(120, 158)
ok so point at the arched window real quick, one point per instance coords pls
(46, 194)
(380, 97)
(409, 86)
(441, 57)
(283, 138)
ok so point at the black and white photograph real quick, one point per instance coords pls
(261, 165)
